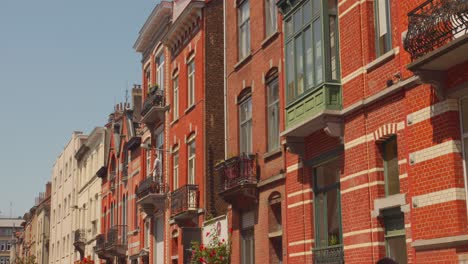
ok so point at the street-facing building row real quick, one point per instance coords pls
(287, 131)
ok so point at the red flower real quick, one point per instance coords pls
(201, 247)
(222, 240)
(220, 257)
(202, 260)
(230, 230)
(207, 234)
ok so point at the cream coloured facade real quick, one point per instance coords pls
(91, 157)
(64, 199)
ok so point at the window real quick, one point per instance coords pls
(135, 210)
(271, 17)
(306, 45)
(464, 136)
(160, 71)
(395, 240)
(191, 82)
(273, 114)
(148, 160)
(175, 97)
(383, 39)
(245, 118)
(148, 77)
(160, 144)
(247, 237)
(327, 204)
(191, 162)
(244, 29)
(147, 233)
(176, 171)
(391, 172)
(275, 228)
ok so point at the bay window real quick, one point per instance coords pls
(311, 43)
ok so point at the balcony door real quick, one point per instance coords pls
(158, 256)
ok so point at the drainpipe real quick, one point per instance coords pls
(225, 82)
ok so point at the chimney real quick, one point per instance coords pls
(137, 101)
(48, 189)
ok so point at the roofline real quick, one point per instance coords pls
(139, 46)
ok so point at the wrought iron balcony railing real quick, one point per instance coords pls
(151, 185)
(155, 98)
(80, 236)
(433, 24)
(329, 255)
(100, 243)
(238, 171)
(117, 236)
(184, 199)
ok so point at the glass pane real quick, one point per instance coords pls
(298, 20)
(333, 221)
(290, 71)
(273, 127)
(318, 51)
(317, 7)
(307, 9)
(299, 66)
(321, 236)
(332, 6)
(288, 27)
(309, 71)
(396, 249)
(333, 49)
(273, 91)
(391, 167)
(328, 174)
(464, 112)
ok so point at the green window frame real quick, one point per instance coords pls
(382, 23)
(395, 235)
(311, 46)
(391, 170)
(327, 191)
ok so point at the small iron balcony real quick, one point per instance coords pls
(184, 203)
(151, 195)
(154, 108)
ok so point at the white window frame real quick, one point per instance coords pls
(160, 62)
(148, 159)
(175, 173)
(191, 160)
(243, 28)
(245, 144)
(175, 96)
(148, 77)
(273, 106)
(191, 82)
(271, 18)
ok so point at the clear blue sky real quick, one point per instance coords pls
(63, 65)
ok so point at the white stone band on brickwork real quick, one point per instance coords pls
(443, 196)
(452, 146)
(432, 111)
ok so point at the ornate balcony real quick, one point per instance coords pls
(100, 247)
(154, 108)
(80, 241)
(184, 204)
(116, 243)
(329, 255)
(437, 37)
(240, 180)
(151, 195)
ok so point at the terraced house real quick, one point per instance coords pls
(253, 170)
(182, 56)
(374, 125)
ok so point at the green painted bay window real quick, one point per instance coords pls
(311, 43)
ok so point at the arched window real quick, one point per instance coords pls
(275, 228)
(245, 121)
